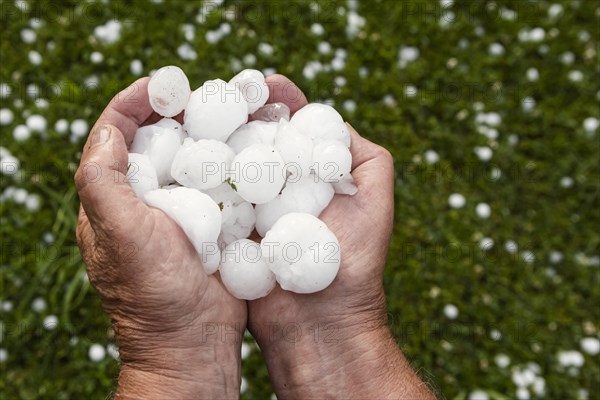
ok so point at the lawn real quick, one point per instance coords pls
(491, 110)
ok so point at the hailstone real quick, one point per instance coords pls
(214, 111)
(244, 272)
(273, 112)
(197, 215)
(160, 142)
(169, 91)
(302, 252)
(345, 185)
(307, 195)
(295, 149)
(332, 160)
(238, 216)
(254, 132)
(202, 164)
(141, 174)
(258, 173)
(321, 122)
(252, 84)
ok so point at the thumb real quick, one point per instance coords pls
(108, 200)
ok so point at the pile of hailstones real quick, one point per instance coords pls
(219, 177)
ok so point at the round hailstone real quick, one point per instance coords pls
(6, 116)
(50, 322)
(302, 252)
(36, 123)
(255, 132)
(483, 210)
(258, 173)
(245, 350)
(214, 111)
(202, 164)
(96, 352)
(308, 195)
(169, 91)
(478, 395)
(273, 112)
(456, 200)
(141, 175)
(197, 215)
(450, 311)
(253, 87)
(590, 345)
(79, 128)
(237, 214)
(160, 142)
(295, 149)
(244, 272)
(21, 133)
(484, 153)
(345, 186)
(431, 157)
(591, 124)
(321, 122)
(502, 360)
(38, 305)
(61, 126)
(332, 160)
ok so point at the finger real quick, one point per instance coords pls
(109, 202)
(283, 90)
(128, 110)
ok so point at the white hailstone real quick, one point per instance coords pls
(555, 10)
(49, 238)
(238, 216)
(575, 76)
(79, 128)
(484, 153)
(571, 358)
(317, 29)
(295, 149)
(136, 67)
(354, 23)
(340, 81)
(109, 32)
(20, 196)
(320, 121)
(6, 116)
(502, 360)
(523, 394)
(539, 386)
(528, 256)
(141, 175)
(169, 91)
(5, 90)
(302, 252)
(245, 350)
(567, 58)
(450, 311)
(431, 157)
(265, 49)
(456, 200)
(537, 34)
(253, 87)
(254, 132)
(528, 104)
(407, 55)
(311, 69)
(556, 257)
(410, 91)
(307, 195)
(389, 100)
(566, 182)
(589, 124)
(21, 133)
(38, 305)
(523, 377)
(96, 57)
(350, 106)
(96, 352)
(187, 52)
(112, 351)
(495, 334)
(590, 345)
(273, 112)
(7, 306)
(243, 385)
(533, 74)
(9, 165)
(160, 142)
(338, 64)
(61, 126)
(50, 322)
(3, 355)
(483, 210)
(345, 186)
(42, 103)
(35, 58)
(214, 111)
(244, 272)
(202, 164)
(496, 49)
(28, 35)
(324, 47)
(511, 246)
(197, 215)
(32, 202)
(36, 123)
(258, 173)
(478, 395)
(332, 160)
(249, 59)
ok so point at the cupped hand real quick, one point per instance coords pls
(175, 325)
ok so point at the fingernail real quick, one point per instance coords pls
(101, 135)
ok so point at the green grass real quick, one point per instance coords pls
(434, 258)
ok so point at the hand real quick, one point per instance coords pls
(336, 343)
(179, 331)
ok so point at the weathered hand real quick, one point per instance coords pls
(336, 343)
(179, 331)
